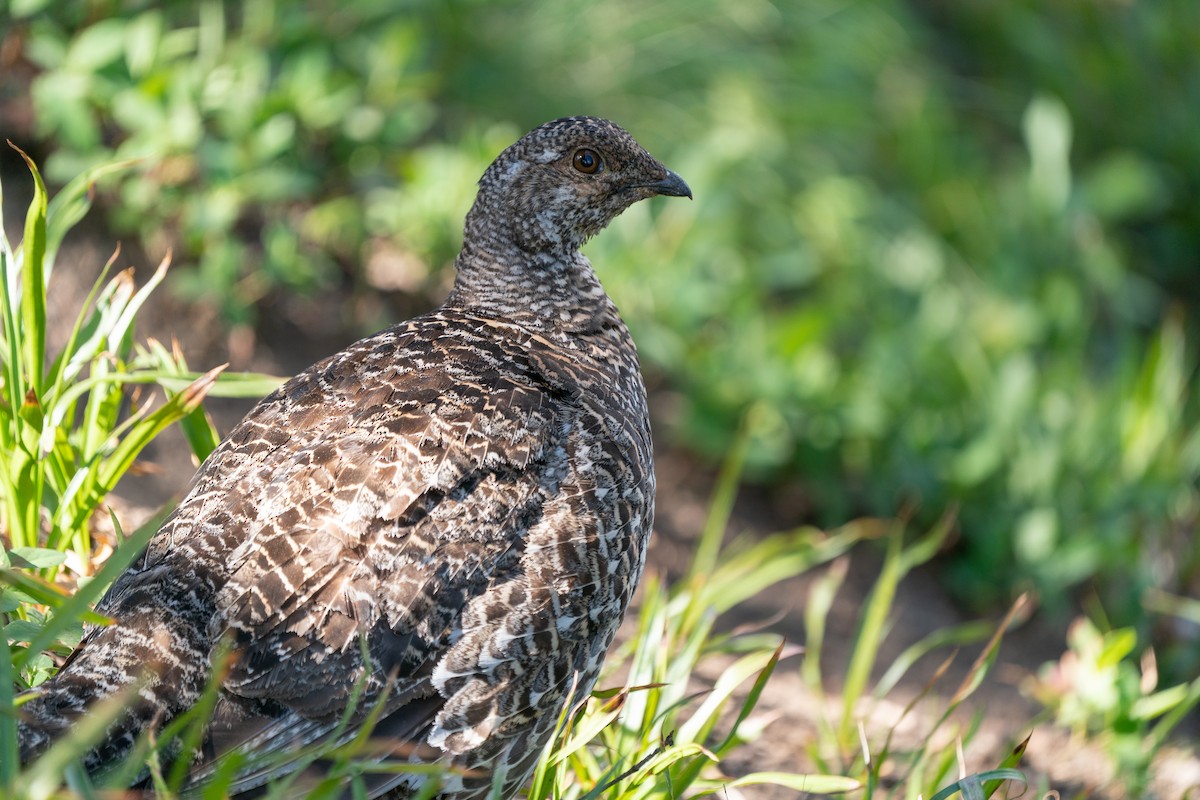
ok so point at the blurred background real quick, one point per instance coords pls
(942, 255)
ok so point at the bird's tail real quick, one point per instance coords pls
(153, 662)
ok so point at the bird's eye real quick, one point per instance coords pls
(587, 161)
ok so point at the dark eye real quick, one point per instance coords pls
(587, 161)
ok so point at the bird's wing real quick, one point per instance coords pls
(373, 503)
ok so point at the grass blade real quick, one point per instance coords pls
(816, 612)
(870, 634)
(9, 760)
(971, 786)
(721, 506)
(812, 784)
(1011, 761)
(33, 280)
(986, 658)
(698, 726)
(177, 406)
(967, 633)
(75, 606)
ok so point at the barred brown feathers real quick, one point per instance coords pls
(452, 514)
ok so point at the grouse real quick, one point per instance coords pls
(435, 531)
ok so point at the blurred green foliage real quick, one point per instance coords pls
(940, 252)
(1097, 688)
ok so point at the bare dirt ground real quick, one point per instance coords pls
(297, 332)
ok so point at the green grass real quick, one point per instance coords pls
(944, 250)
(69, 429)
(655, 729)
(943, 246)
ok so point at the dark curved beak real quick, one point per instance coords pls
(672, 186)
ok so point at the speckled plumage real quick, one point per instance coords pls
(469, 494)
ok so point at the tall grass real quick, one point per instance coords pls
(73, 422)
(71, 425)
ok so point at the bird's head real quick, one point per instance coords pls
(564, 181)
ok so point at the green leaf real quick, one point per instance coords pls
(816, 612)
(1011, 761)
(241, 385)
(27, 8)
(42, 592)
(33, 281)
(181, 404)
(142, 40)
(9, 760)
(1162, 728)
(871, 631)
(701, 723)
(20, 630)
(966, 633)
(69, 610)
(721, 505)
(752, 697)
(812, 784)
(97, 45)
(972, 785)
(35, 557)
(588, 729)
(986, 658)
(201, 433)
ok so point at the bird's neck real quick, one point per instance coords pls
(543, 291)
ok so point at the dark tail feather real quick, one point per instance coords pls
(156, 653)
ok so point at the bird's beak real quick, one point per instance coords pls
(672, 186)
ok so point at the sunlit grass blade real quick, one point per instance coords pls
(752, 697)
(43, 592)
(177, 406)
(971, 786)
(188, 729)
(868, 638)
(816, 611)
(11, 327)
(1011, 761)
(1162, 729)
(747, 571)
(589, 728)
(70, 361)
(967, 686)
(9, 761)
(652, 627)
(938, 673)
(197, 426)
(966, 633)
(1186, 608)
(550, 764)
(987, 657)
(700, 724)
(898, 562)
(720, 506)
(33, 281)
(78, 605)
(809, 784)
(688, 773)
(243, 385)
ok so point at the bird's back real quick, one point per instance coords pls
(436, 531)
(466, 497)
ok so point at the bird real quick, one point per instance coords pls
(435, 531)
